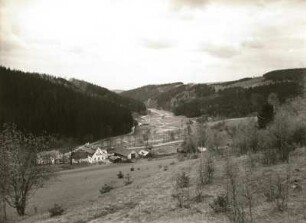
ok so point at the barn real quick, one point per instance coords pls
(126, 154)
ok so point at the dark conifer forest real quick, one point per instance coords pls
(41, 103)
(238, 101)
(229, 99)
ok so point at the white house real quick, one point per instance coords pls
(98, 155)
(89, 154)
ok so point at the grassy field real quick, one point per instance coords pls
(149, 198)
(81, 186)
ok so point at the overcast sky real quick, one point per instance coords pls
(123, 44)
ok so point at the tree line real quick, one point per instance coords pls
(38, 103)
(237, 101)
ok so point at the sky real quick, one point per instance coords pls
(124, 44)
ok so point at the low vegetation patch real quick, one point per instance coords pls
(120, 175)
(220, 204)
(181, 189)
(128, 180)
(56, 210)
(206, 170)
(106, 188)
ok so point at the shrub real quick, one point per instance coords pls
(120, 175)
(181, 157)
(194, 156)
(182, 180)
(128, 180)
(132, 168)
(172, 163)
(106, 188)
(277, 192)
(206, 170)
(181, 191)
(56, 210)
(220, 204)
(165, 168)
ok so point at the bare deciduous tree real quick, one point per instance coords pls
(20, 173)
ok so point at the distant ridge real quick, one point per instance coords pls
(225, 99)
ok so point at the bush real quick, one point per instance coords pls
(165, 168)
(132, 168)
(128, 180)
(277, 192)
(105, 189)
(220, 204)
(181, 157)
(56, 210)
(182, 180)
(120, 175)
(181, 190)
(206, 170)
(194, 156)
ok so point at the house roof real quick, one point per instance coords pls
(90, 149)
(124, 152)
(80, 154)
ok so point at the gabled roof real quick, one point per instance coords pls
(88, 150)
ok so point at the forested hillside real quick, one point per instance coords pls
(94, 90)
(37, 103)
(228, 99)
(150, 91)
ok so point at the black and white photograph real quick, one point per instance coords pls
(152, 111)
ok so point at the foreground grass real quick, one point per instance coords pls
(149, 197)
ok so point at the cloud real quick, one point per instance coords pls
(179, 4)
(157, 43)
(220, 51)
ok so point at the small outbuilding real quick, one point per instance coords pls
(202, 149)
(143, 153)
(126, 154)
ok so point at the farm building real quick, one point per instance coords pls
(202, 149)
(143, 153)
(89, 155)
(48, 157)
(127, 154)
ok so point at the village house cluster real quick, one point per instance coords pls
(89, 153)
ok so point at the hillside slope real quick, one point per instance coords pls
(37, 103)
(228, 99)
(94, 90)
